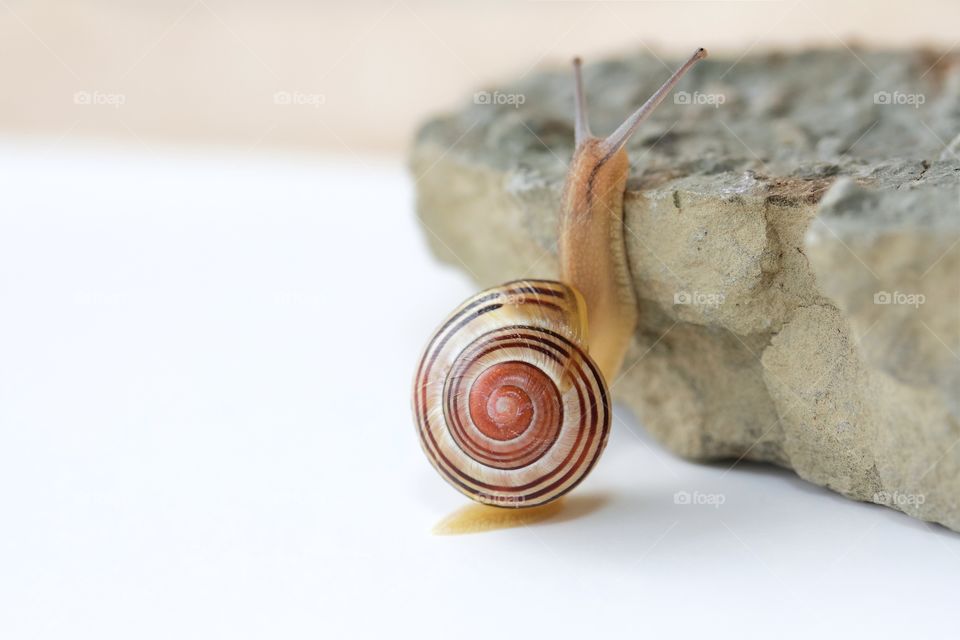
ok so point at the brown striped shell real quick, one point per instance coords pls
(509, 407)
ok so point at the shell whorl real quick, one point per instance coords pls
(509, 407)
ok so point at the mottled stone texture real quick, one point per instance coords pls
(764, 236)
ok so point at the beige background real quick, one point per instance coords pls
(360, 75)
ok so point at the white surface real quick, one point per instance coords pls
(205, 364)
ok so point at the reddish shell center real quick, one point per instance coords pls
(500, 399)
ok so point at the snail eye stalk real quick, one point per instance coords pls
(616, 140)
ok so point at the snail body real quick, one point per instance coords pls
(510, 396)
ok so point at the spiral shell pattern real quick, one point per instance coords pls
(510, 409)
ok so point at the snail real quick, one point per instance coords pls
(510, 395)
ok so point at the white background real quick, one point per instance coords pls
(205, 362)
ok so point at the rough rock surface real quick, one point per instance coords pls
(792, 233)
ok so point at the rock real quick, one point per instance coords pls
(793, 233)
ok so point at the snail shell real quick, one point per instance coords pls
(509, 407)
